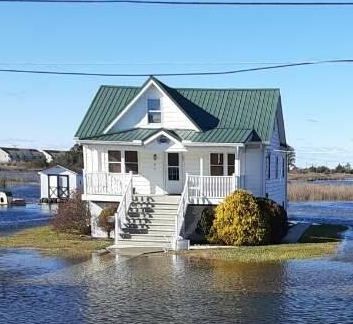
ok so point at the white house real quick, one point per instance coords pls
(50, 155)
(159, 151)
(12, 154)
(57, 183)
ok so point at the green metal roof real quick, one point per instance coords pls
(217, 135)
(223, 115)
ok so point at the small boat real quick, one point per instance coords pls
(7, 199)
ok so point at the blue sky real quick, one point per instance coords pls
(45, 111)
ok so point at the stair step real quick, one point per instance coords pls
(156, 198)
(150, 222)
(166, 208)
(154, 204)
(145, 237)
(128, 244)
(151, 215)
(149, 231)
(150, 226)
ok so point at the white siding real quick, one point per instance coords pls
(4, 157)
(75, 180)
(253, 171)
(44, 186)
(275, 187)
(136, 116)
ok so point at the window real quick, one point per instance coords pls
(216, 164)
(231, 162)
(173, 166)
(131, 162)
(154, 111)
(283, 167)
(114, 161)
(268, 166)
(277, 167)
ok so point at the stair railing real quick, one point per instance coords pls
(124, 205)
(183, 204)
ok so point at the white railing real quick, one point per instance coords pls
(121, 213)
(183, 204)
(105, 183)
(212, 187)
(203, 189)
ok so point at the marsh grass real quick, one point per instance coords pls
(318, 241)
(311, 176)
(268, 253)
(313, 192)
(52, 242)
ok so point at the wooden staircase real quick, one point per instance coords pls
(150, 222)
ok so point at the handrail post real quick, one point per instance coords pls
(234, 182)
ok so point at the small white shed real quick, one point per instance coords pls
(58, 183)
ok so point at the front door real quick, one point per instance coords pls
(63, 186)
(53, 186)
(173, 173)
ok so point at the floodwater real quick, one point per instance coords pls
(13, 218)
(165, 288)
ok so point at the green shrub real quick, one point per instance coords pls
(206, 220)
(104, 222)
(276, 216)
(239, 221)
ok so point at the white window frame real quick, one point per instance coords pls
(154, 111)
(223, 165)
(115, 162)
(123, 161)
(136, 163)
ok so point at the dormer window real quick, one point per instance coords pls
(154, 111)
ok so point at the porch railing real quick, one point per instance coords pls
(104, 183)
(206, 188)
(183, 205)
(211, 186)
(121, 213)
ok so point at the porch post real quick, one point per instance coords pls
(238, 169)
(122, 161)
(201, 175)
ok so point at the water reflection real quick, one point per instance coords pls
(172, 289)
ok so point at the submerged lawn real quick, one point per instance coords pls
(323, 233)
(52, 242)
(280, 252)
(317, 241)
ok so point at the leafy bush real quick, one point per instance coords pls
(276, 216)
(73, 215)
(205, 223)
(104, 222)
(239, 221)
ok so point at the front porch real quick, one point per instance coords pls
(200, 190)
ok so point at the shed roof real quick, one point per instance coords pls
(55, 169)
(221, 114)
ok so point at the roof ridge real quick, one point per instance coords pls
(192, 88)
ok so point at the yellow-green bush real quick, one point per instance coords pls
(103, 221)
(239, 221)
(276, 216)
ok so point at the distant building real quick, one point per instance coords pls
(58, 183)
(12, 154)
(51, 155)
